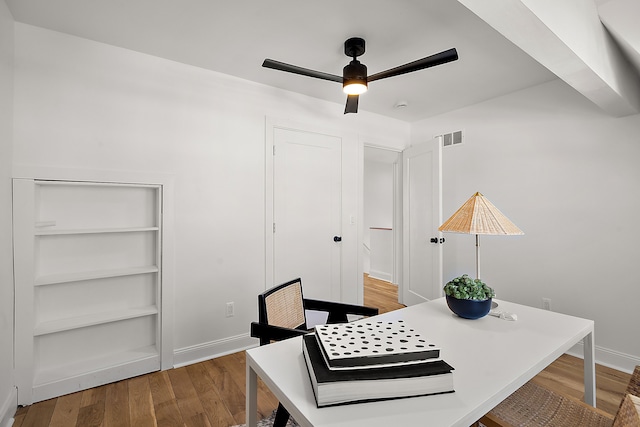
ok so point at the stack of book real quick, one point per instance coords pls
(373, 360)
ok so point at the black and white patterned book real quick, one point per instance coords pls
(339, 387)
(373, 343)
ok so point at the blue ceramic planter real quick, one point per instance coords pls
(469, 309)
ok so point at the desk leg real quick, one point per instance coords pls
(251, 408)
(589, 370)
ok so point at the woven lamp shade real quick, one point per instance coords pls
(479, 216)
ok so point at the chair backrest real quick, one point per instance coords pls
(634, 382)
(629, 412)
(283, 306)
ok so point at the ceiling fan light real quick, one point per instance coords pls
(354, 78)
(355, 88)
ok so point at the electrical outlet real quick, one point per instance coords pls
(546, 303)
(230, 309)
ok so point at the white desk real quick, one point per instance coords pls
(492, 358)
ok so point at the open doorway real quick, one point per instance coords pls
(382, 214)
(402, 208)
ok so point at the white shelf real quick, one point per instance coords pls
(67, 324)
(61, 183)
(78, 368)
(39, 232)
(53, 279)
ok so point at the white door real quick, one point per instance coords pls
(307, 211)
(422, 215)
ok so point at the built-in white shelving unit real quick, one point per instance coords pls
(88, 280)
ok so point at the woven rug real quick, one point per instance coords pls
(268, 422)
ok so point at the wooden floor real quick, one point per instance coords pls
(211, 393)
(380, 294)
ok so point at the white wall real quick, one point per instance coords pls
(82, 104)
(8, 399)
(378, 200)
(562, 170)
(568, 175)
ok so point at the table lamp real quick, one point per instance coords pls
(479, 216)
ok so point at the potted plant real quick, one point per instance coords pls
(469, 298)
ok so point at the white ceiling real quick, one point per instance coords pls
(234, 37)
(620, 17)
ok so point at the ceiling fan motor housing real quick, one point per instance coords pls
(354, 72)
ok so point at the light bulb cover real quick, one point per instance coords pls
(354, 88)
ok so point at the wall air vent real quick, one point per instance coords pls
(453, 138)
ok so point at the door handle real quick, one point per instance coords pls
(337, 238)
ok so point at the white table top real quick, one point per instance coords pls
(492, 358)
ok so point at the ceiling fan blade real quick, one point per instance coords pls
(429, 61)
(352, 104)
(281, 66)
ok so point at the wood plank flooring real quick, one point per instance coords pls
(380, 294)
(211, 393)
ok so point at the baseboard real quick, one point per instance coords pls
(607, 357)
(198, 353)
(381, 275)
(9, 408)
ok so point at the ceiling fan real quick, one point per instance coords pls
(354, 77)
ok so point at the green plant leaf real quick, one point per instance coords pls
(464, 287)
